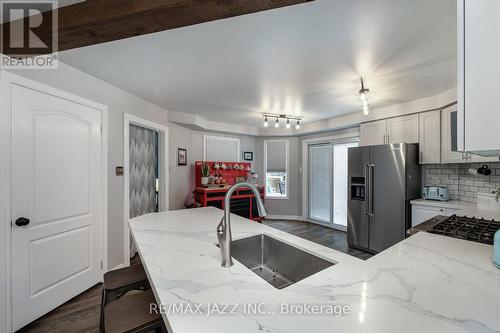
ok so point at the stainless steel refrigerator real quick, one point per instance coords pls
(382, 181)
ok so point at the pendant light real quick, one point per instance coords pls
(363, 98)
(266, 123)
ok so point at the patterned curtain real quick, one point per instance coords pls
(143, 166)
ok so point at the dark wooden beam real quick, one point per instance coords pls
(99, 21)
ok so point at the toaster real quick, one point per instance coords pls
(439, 193)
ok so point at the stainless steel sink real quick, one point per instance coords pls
(278, 263)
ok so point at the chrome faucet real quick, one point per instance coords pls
(224, 228)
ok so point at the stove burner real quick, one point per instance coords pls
(477, 230)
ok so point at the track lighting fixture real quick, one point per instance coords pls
(288, 119)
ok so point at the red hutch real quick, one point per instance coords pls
(243, 202)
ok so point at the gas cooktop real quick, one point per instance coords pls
(468, 228)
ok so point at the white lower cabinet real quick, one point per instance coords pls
(421, 213)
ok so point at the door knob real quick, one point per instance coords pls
(22, 221)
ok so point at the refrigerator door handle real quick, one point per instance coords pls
(367, 197)
(369, 181)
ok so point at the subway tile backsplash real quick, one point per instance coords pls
(461, 184)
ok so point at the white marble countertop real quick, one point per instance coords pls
(463, 207)
(427, 283)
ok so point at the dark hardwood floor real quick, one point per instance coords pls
(325, 236)
(81, 314)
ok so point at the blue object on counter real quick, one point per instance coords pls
(496, 249)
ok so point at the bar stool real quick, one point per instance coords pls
(131, 314)
(120, 281)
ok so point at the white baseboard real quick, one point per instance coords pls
(285, 217)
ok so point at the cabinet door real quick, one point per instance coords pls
(403, 129)
(420, 214)
(478, 159)
(373, 133)
(447, 155)
(430, 137)
(478, 75)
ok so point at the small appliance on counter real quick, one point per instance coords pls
(439, 193)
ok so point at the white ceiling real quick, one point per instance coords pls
(304, 59)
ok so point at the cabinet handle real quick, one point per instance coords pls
(384, 139)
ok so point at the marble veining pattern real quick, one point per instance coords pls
(427, 283)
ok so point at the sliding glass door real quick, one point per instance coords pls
(328, 183)
(320, 183)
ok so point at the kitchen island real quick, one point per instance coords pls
(427, 283)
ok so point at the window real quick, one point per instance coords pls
(276, 168)
(221, 149)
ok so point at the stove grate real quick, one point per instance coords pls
(468, 228)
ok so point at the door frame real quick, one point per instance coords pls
(352, 136)
(7, 80)
(163, 169)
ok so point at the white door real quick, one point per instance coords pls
(57, 185)
(430, 137)
(373, 133)
(403, 129)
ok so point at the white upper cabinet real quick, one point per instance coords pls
(478, 76)
(373, 133)
(430, 137)
(447, 155)
(403, 129)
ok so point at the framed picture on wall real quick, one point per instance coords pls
(181, 156)
(248, 156)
